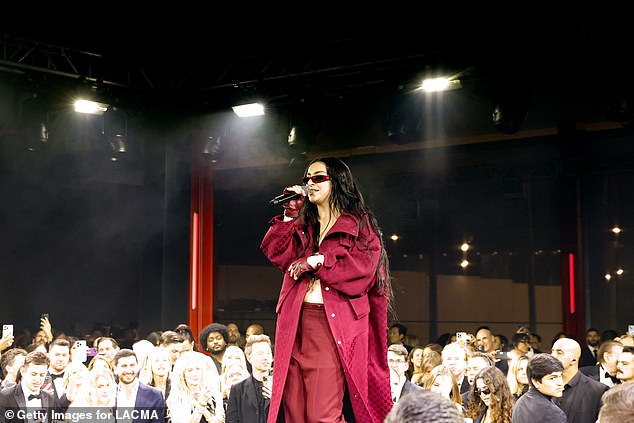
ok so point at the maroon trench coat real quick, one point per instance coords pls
(356, 310)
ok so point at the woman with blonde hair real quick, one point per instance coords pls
(517, 377)
(195, 390)
(490, 399)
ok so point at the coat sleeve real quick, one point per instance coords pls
(281, 242)
(350, 263)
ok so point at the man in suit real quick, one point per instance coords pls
(249, 399)
(59, 355)
(605, 370)
(397, 361)
(136, 402)
(581, 398)
(590, 353)
(25, 401)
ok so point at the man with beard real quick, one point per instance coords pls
(590, 353)
(214, 339)
(136, 402)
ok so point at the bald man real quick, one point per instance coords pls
(581, 398)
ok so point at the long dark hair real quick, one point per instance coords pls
(345, 196)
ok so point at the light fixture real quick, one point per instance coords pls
(430, 85)
(90, 107)
(249, 109)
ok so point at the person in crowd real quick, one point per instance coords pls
(253, 329)
(605, 370)
(154, 337)
(557, 336)
(190, 340)
(249, 399)
(546, 382)
(174, 343)
(398, 335)
(626, 340)
(397, 360)
(59, 355)
(500, 342)
(195, 390)
(536, 343)
(520, 345)
(142, 348)
(433, 347)
(625, 365)
(11, 362)
(608, 334)
(454, 357)
(134, 398)
(430, 361)
(617, 404)
(424, 406)
(484, 340)
(581, 397)
(160, 366)
(235, 337)
(415, 363)
(334, 301)
(476, 361)
(107, 347)
(517, 377)
(441, 380)
(26, 395)
(214, 339)
(100, 392)
(490, 399)
(100, 362)
(234, 354)
(231, 374)
(590, 353)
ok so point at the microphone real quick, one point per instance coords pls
(285, 198)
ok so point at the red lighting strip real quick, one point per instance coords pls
(571, 281)
(194, 259)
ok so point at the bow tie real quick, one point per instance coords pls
(33, 396)
(614, 378)
(54, 376)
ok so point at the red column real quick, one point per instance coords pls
(572, 276)
(201, 275)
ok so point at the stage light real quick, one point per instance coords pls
(90, 107)
(249, 110)
(430, 85)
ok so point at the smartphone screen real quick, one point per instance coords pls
(7, 330)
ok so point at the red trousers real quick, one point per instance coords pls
(315, 384)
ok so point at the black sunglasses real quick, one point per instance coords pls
(316, 179)
(486, 391)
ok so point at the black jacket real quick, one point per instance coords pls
(534, 407)
(244, 406)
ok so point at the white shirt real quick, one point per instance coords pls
(123, 401)
(603, 379)
(32, 405)
(397, 388)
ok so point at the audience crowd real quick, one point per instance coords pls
(225, 375)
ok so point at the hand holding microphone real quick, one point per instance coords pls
(292, 200)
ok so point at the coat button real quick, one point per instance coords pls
(339, 342)
(332, 315)
(327, 288)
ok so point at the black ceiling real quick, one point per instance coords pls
(191, 61)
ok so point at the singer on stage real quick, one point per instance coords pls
(331, 334)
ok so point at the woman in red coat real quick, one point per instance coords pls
(332, 322)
